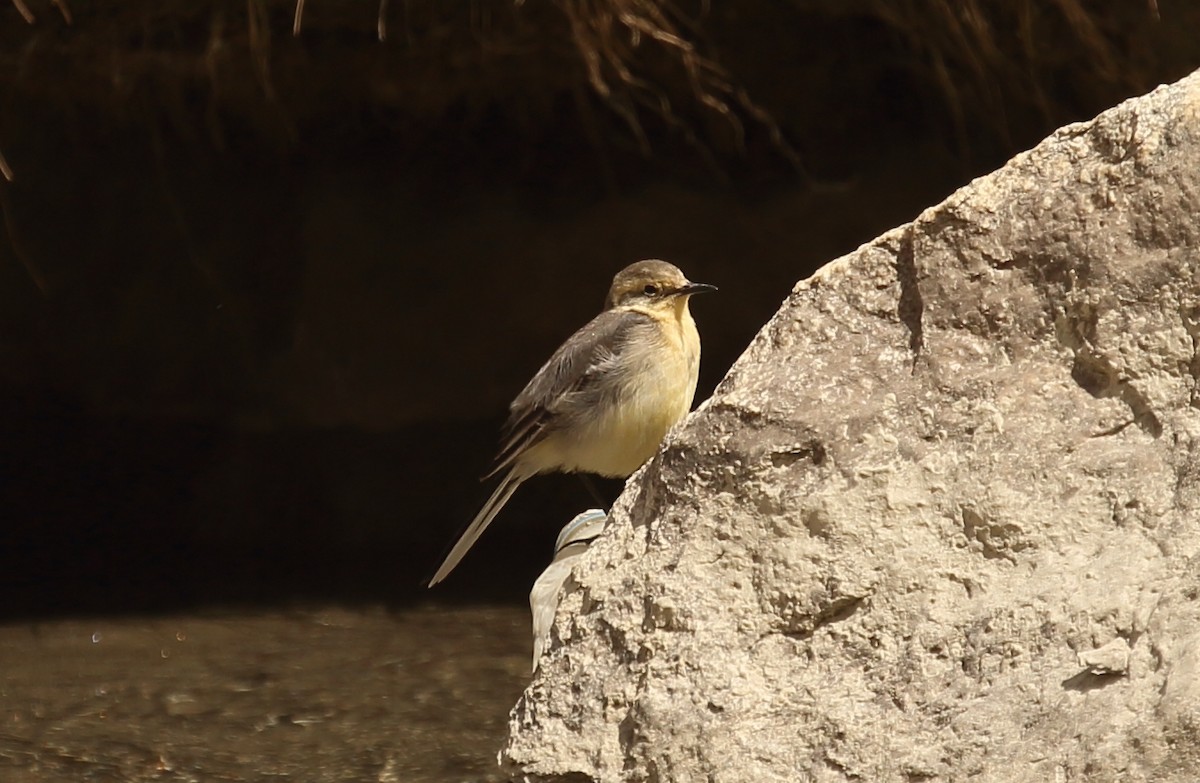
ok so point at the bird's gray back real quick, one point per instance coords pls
(583, 373)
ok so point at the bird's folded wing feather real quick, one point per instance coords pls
(568, 377)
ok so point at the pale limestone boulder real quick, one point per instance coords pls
(940, 522)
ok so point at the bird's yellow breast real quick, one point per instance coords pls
(656, 374)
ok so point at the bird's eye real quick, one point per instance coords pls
(650, 290)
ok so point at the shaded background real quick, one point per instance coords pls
(264, 297)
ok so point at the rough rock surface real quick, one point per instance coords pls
(954, 464)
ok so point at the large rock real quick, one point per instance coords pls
(940, 521)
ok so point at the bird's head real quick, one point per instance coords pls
(652, 283)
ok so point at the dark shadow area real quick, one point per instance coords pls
(153, 516)
(264, 299)
(1086, 681)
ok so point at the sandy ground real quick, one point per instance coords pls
(316, 695)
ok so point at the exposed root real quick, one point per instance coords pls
(646, 60)
(63, 9)
(30, 268)
(24, 11)
(29, 18)
(976, 52)
(615, 39)
(381, 21)
(258, 23)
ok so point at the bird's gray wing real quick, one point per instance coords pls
(568, 377)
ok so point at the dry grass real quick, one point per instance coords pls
(646, 66)
(992, 59)
(644, 60)
(381, 20)
(621, 44)
(27, 14)
(988, 58)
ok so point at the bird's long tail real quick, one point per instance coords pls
(479, 524)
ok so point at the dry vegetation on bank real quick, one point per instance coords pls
(279, 64)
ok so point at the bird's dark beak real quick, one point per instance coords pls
(694, 288)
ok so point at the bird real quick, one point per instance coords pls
(604, 400)
(573, 540)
